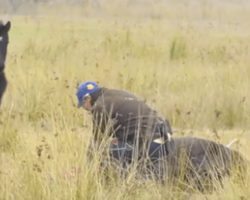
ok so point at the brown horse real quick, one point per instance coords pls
(4, 40)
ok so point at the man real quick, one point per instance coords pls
(120, 114)
(198, 162)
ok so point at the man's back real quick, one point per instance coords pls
(125, 115)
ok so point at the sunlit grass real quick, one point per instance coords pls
(194, 73)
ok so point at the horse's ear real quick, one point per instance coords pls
(7, 26)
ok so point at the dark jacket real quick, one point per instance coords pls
(126, 117)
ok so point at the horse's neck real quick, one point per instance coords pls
(3, 51)
(2, 69)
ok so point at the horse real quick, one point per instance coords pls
(194, 162)
(4, 40)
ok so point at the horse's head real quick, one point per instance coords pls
(4, 40)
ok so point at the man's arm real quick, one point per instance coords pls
(102, 122)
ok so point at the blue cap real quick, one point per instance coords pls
(84, 90)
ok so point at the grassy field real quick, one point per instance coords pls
(190, 65)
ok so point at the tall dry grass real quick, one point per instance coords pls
(191, 66)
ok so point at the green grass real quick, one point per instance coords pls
(194, 73)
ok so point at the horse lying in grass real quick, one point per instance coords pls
(188, 161)
(4, 40)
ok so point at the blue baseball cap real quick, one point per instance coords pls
(85, 89)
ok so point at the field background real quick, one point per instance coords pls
(190, 60)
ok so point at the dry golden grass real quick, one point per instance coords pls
(192, 66)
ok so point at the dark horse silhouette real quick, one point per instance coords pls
(198, 163)
(4, 40)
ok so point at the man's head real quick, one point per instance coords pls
(84, 92)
